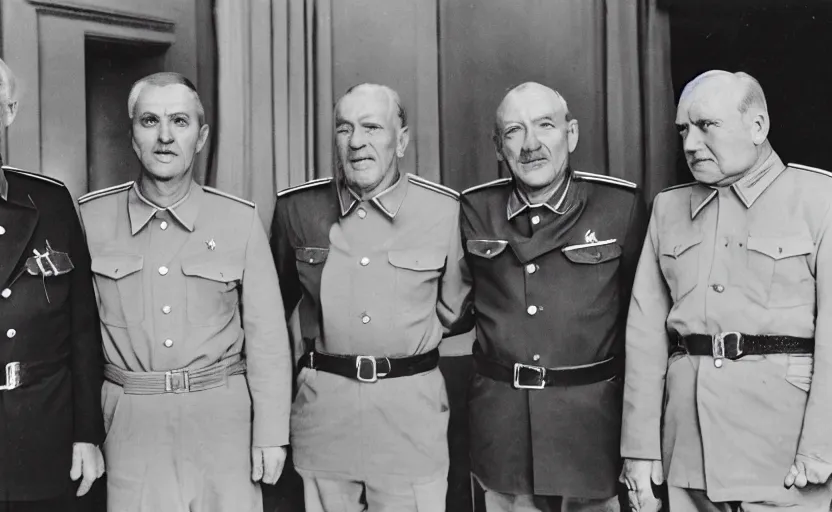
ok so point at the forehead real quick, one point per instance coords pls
(166, 98)
(529, 103)
(365, 102)
(711, 99)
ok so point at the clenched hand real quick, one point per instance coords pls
(807, 470)
(267, 463)
(637, 475)
(87, 461)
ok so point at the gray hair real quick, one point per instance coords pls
(495, 134)
(8, 80)
(753, 97)
(161, 80)
(391, 93)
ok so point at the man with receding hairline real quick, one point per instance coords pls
(728, 391)
(552, 252)
(373, 262)
(198, 368)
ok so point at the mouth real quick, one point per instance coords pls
(164, 155)
(534, 163)
(697, 161)
(361, 162)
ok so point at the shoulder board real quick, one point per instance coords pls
(601, 178)
(682, 185)
(216, 192)
(494, 183)
(95, 194)
(811, 169)
(304, 186)
(35, 175)
(436, 187)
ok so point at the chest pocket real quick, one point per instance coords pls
(118, 281)
(487, 249)
(593, 254)
(213, 288)
(679, 261)
(417, 274)
(781, 265)
(310, 263)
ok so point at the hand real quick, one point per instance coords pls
(807, 470)
(637, 475)
(88, 461)
(267, 463)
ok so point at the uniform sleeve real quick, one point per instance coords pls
(646, 354)
(266, 343)
(454, 305)
(815, 440)
(284, 259)
(87, 360)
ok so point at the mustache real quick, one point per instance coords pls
(531, 156)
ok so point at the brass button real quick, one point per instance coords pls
(6, 293)
(531, 268)
(166, 309)
(2, 230)
(718, 363)
(365, 319)
(163, 225)
(532, 310)
(163, 270)
(536, 357)
(718, 288)
(11, 333)
(365, 261)
(536, 220)
(168, 342)
(362, 213)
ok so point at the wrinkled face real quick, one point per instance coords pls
(166, 131)
(534, 138)
(368, 136)
(8, 106)
(718, 140)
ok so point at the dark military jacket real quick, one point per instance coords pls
(551, 288)
(45, 320)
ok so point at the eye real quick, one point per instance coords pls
(372, 128)
(148, 121)
(343, 130)
(181, 121)
(547, 124)
(511, 130)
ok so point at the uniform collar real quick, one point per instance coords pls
(388, 201)
(748, 188)
(185, 210)
(518, 202)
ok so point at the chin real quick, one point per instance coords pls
(163, 172)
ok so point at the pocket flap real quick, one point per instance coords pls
(591, 254)
(779, 247)
(417, 259)
(311, 255)
(116, 266)
(680, 245)
(212, 268)
(486, 248)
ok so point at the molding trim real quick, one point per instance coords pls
(110, 16)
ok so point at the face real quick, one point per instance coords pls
(719, 142)
(166, 131)
(368, 137)
(8, 107)
(534, 138)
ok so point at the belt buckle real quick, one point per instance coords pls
(177, 381)
(359, 365)
(12, 377)
(734, 350)
(539, 370)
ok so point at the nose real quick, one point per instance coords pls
(165, 134)
(531, 142)
(691, 141)
(357, 139)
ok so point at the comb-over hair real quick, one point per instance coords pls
(161, 80)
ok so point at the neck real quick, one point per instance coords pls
(542, 194)
(763, 152)
(386, 182)
(164, 193)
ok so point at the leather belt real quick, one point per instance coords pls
(19, 375)
(175, 381)
(370, 368)
(734, 345)
(527, 376)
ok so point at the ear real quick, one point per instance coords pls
(572, 133)
(759, 127)
(10, 113)
(203, 137)
(498, 146)
(402, 141)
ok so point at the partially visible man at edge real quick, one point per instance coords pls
(50, 418)
(735, 282)
(198, 372)
(552, 253)
(373, 258)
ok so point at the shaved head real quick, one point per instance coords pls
(746, 88)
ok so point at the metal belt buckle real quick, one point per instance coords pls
(359, 366)
(539, 370)
(12, 377)
(734, 349)
(177, 381)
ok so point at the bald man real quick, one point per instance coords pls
(373, 260)
(552, 252)
(735, 284)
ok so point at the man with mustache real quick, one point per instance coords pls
(373, 260)
(50, 350)
(552, 252)
(735, 283)
(198, 373)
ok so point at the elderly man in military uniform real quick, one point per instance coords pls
(50, 406)
(729, 336)
(373, 258)
(552, 252)
(187, 293)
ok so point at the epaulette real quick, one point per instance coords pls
(95, 194)
(35, 175)
(500, 181)
(681, 185)
(811, 169)
(436, 187)
(601, 178)
(304, 186)
(214, 191)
